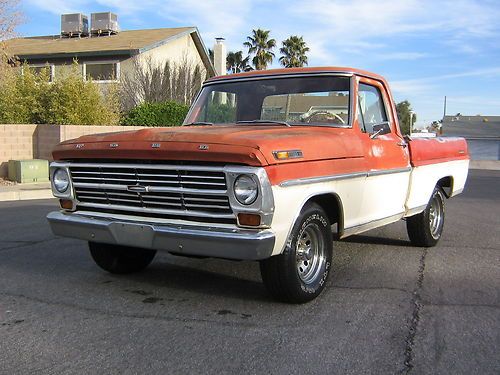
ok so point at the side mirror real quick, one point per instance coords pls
(380, 129)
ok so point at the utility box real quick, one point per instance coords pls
(35, 170)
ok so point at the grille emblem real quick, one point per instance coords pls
(155, 145)
(113, 145)
(138, 188)
(203, 147)
(79, 145)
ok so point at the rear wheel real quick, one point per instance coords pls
(425, 228)
(120, 259)
(300, 273)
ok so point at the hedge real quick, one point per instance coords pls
(156, 114)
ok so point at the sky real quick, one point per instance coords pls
(426, 49)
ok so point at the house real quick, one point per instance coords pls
(105, 55)
(481, 132)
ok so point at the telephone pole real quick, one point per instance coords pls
(444, 113)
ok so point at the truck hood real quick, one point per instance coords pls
(242, 144)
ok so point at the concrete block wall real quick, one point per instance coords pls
(21, 142)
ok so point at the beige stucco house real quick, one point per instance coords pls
(105, 58)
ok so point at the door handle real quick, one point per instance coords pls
(402, 144)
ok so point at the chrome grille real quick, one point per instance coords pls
(183, 192)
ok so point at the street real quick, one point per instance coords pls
(389, 308)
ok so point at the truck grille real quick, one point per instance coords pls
(160, 191)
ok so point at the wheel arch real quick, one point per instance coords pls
(446, 184)
(332, 204)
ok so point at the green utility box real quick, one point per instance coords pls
(35, 170)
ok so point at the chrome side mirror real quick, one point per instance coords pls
(380, 129)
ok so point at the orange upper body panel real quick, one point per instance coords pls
(426, 151)
(241, 144)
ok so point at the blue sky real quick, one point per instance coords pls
(425, 48)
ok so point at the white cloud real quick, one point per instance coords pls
(400, 56)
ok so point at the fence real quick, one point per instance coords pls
(20, 142)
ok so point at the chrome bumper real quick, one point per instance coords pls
(241, 244)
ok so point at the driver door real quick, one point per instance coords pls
(386, 154)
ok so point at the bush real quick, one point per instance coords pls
(29, 98)
(156, 114)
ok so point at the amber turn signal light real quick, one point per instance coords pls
(67, 204)
(249, 220)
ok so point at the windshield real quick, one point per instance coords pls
(312, 100)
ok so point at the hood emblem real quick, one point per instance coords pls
(155, 145)
(203, 147)
(113, 145)
(138, 188)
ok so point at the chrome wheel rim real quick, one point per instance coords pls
(436, 216)
(310, 252)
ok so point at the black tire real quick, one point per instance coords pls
(425, 229)
(310, 247)
(120, 259)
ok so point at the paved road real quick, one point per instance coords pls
(389, 308)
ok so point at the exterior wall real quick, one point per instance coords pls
(176, 51)
(16, 142)
(21, 142)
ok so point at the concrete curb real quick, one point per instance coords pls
(23, 192)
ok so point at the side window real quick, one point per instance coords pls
(371, 107)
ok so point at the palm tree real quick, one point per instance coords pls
(235, 62)
(261, 46)
(294, 52)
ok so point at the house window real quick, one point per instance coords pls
(102, 71)
(39, 69)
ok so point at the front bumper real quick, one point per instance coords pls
(241, 244)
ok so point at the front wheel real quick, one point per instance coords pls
(120, 259)
(425, 228)
(299, 274)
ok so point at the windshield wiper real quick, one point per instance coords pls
(264, 122)
(196, 123)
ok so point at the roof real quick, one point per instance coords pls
(129, 42)
(472, 128)
(326, 69)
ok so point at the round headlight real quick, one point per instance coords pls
(245, 189)
(61, 180)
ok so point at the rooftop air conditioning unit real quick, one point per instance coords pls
(104, 23)
(76, 24)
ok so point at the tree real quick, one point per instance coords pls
(403, 110)
(10, 18)
(235, 62)
(261, 47)
(294, 52)
(150, 82)
(211, 55)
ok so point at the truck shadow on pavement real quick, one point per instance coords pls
(375, 240)
(163, 276)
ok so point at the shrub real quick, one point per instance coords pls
(156, 114)
(71, 100)
(30, 98)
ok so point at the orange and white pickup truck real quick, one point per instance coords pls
(266, 166)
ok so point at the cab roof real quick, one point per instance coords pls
(291, 71)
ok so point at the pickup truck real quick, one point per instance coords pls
(267, 166)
